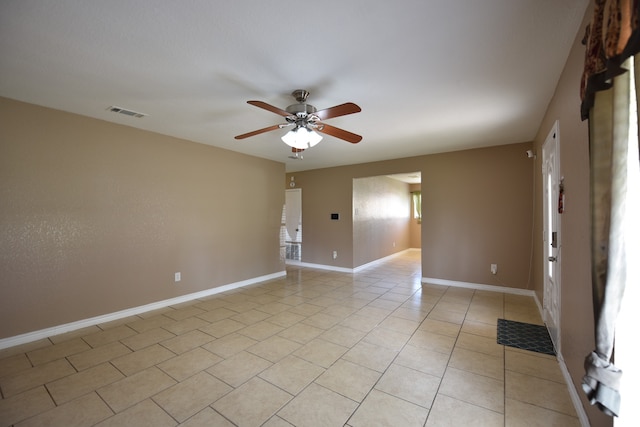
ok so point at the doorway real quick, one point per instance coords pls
(293, 224)
(553, 205)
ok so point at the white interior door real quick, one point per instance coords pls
(293, 223)
(552, 243)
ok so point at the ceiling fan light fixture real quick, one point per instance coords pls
(301, 138)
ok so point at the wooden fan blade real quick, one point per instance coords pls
(269, 107)
(340, 133)
(257, 132)
(337, 111)
(297, 150)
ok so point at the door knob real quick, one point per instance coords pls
(553, 258)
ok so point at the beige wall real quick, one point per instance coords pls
(576, 323)
(381, 213)
(477, 210)
(97, 217)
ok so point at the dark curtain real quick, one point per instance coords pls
(609, 101)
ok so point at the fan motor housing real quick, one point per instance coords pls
(296, 109)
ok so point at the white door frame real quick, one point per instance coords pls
(551, 233)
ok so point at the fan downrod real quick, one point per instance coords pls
(300, 95)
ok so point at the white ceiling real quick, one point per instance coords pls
(430, 76)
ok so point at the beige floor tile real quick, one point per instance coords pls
(217, 314)
(478, 363)
(489, 330)
(341, 335)
(385, 304)
(207, 418)
(348, 379)
(189, 397)
(25, 405)
(484, 314)
(109, 335)
(480, 344)
(274, 348)
(187, 341)
(339, 310)
(189, 363)
(409, 314)
(473, 388)
(394, 296)
(399, 325)
(532, 317)
(408, 384)
(523, 414)
(76, 385)
(321, 352)
(436, 342)
(371, 356)
(239, 368)
(98, 356)
(274, 308)
(450, 412)
(276, 421)
(456, 317)
(423, 360)
(388, 338)
(305, 309)
(147, 338)
(360, 323)
(25, 348)
(57, 351)
(186, 325)
(540, 392)
(301, 333)
(185, 312)
(440, 327)
(14, 364)
(253, 403)
(34, 377)
(317, 406)
(286, 319)
(84, 411)
(261, 331)
(250, 317)
(533, 364)
(229, 345)
(292, 374)
(153, 322)
(134, 389)
(452, 304)
(381, 409)
(378, 314)
(322, 321)
(140, 360)
(144, 414)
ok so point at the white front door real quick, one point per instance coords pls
(553, 204)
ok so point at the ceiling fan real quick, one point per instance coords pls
(305, 120)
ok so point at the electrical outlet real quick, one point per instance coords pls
(494, 268)
(177, 277)
(335, 254)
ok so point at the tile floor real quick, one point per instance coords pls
(317, 348)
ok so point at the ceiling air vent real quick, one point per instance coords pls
(126, 112)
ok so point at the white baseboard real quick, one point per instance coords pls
(69, 327)
(573, 393)
(346, 269)
(479, 286)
